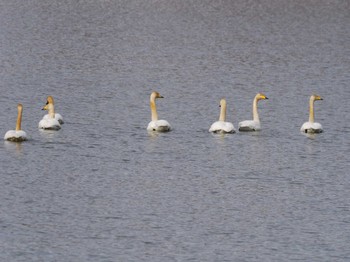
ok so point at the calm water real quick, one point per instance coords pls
(103, 189)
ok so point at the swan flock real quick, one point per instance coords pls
(53, 120)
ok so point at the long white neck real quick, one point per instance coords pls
(222, 112)
(312, 114)
(255, 110)
(19, 118)
(153, 108)
(51, 109)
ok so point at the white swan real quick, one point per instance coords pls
(311, 126)
(49, 122)
(17, 135)
(252, 125)
(155, 124)
(221, 126)
(58, 117)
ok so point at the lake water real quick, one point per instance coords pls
(103, 189)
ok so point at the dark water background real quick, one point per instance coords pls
(103, 189)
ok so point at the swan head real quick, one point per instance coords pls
(222, 102)
(50, 106)
(19, 107)
(315, 97)
(49, 103)
(50, 100)
(261, 96)
(155, 95)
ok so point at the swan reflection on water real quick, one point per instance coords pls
(49, 135)
(14, 147)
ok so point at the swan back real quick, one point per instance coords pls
(159, 126)
(58, 117)
(249, 125)
(222, 127)
(15, 136)
(311, 128)
(49, 124)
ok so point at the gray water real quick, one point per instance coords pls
(104, 189)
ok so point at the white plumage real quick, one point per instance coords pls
(249, 125)
(159, 125)
(49, 123)
(58, 117)
(308, 127)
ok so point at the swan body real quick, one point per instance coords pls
(249, 125)
(58, 117)
(311, 126)
(155, 124)
(159, 125)
(222, 126)
(308, 127)
(17, 135)
(253, 125)
(49, 122)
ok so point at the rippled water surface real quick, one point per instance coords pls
(103, 189)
